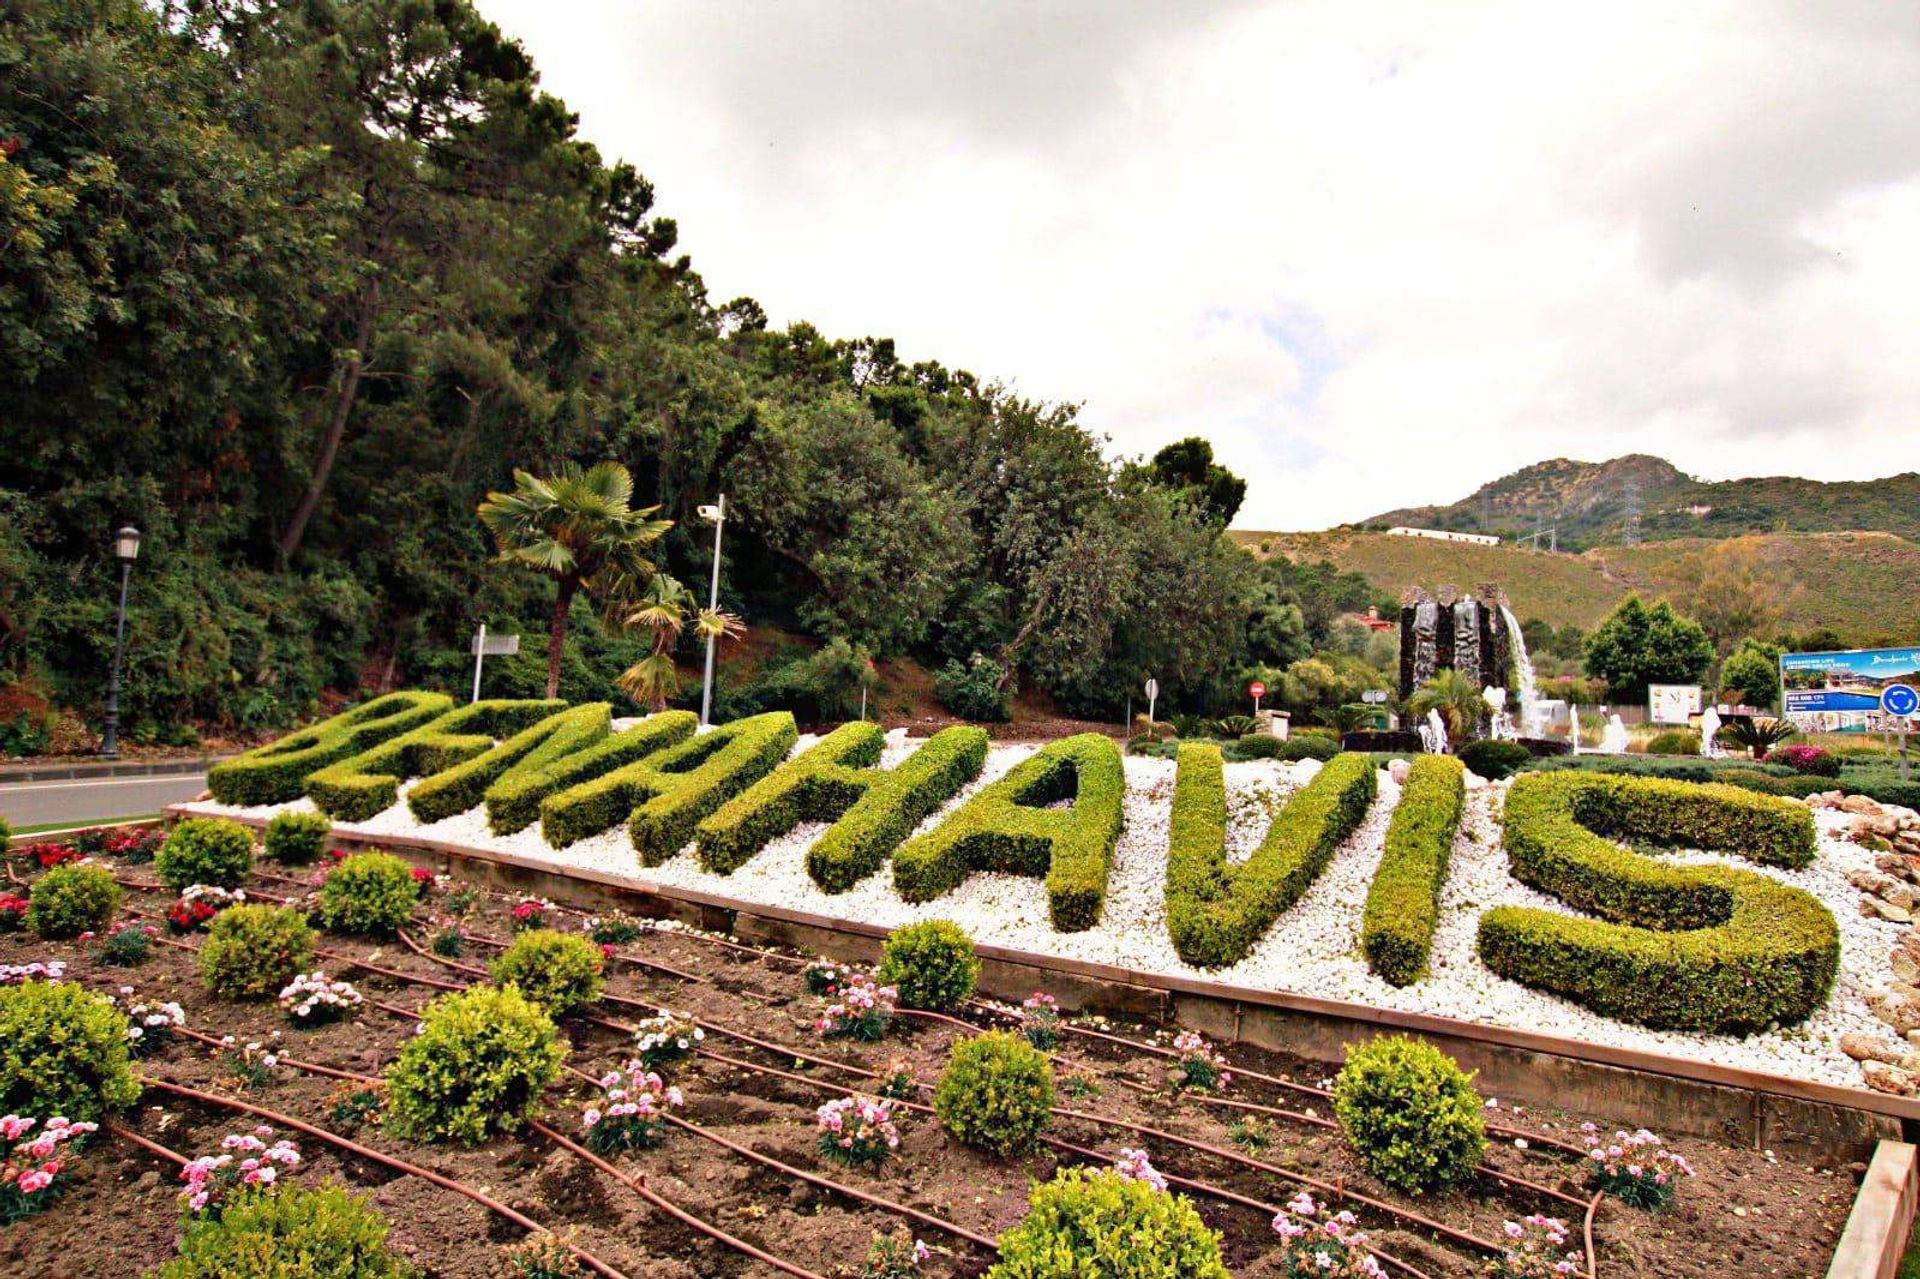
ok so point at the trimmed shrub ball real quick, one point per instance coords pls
(478, 1066)
(296, 839)
(370, 893)
(932, 964)
(1099, 1224)
(252, 952)
(1494, 760)
(293, 1233)
(205, 850)
(996, 1093)
(558, 971)
(72, 899)
(63, 1051)
(1411, 1114)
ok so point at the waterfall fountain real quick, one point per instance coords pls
(1526, 696)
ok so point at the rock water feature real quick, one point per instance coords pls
(1472, 634)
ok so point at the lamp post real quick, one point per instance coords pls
(717, 515)
(126, 548)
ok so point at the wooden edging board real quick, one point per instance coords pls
(1669, 1094)
(1875, 1238)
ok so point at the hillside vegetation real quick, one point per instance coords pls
(1588, 504)
(1858, 584)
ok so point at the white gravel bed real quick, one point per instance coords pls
(1313, 950)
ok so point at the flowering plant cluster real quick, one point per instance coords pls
(665, 1037)
(423, 879)
(199, 903)
(150, 1026)
(895, 1256)
(1635, 1168)
(897, 1081)
(861, 1010)
(17, 974)
(128, 944)
(31, 1165)
(1316, 1244)
(129, 843)
(252, 1063)
(1040, 1021)
(447, 940)
(857, 1130)
(1537, 1249)
(631, 1110)
(824, 977)
(1134, 1164)
(531, 912)
(613, 930)
(245, 1163)
(1200, 1066)
(48, 855)
(312, 1000)
(13, 912)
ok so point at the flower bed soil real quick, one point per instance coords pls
(1744, 1213)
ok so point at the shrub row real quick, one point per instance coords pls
(1403, 903)
(1007, 827)
(663, 798)
(1216, 912)
(1494, 759)
(1675, 947)
(574, 755)
(455, 790)
(836, 781)
(277, 772)
(362, 785)
(1398, 741)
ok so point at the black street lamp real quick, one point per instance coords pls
(126, 548)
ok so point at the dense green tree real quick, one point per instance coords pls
(1751, 675)
(1636, 646)
(1187, 467)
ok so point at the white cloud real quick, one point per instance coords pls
(1378, 254)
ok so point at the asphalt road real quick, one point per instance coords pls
(39, 803)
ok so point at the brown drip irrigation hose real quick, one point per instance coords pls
(399, 1165)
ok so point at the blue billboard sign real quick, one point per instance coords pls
(1846, 685)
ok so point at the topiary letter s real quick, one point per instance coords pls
(1676, 947)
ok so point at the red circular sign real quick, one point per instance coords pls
(1256, 689)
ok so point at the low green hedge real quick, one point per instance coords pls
(872, 810)
(1217, 912)
(451, 791)
(277, 772)
(357, 788)
(1675, 947)
(663, 798)
(574, 755)
(1403, 904)
(1007, 827)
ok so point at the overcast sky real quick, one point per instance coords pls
(1377, 253)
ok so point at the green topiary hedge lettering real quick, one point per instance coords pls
(1217, 912)
(1007, 827)
(1403, 904)
(664, 797)
(577, 752)
(872, 809)
(358, 787)
(1676, 947)
(277, 772)
(452, 791)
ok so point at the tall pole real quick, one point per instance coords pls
(713, 605)
(479, 656)
(109, 743)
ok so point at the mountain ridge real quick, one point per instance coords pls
(1589, 504)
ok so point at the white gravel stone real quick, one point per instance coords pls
(1314, 949)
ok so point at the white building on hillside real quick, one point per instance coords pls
(1442, 535)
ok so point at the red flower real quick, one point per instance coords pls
(49, 855)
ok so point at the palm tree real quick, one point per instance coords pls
(580, 529)
(661, 610)
(1460, 703)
